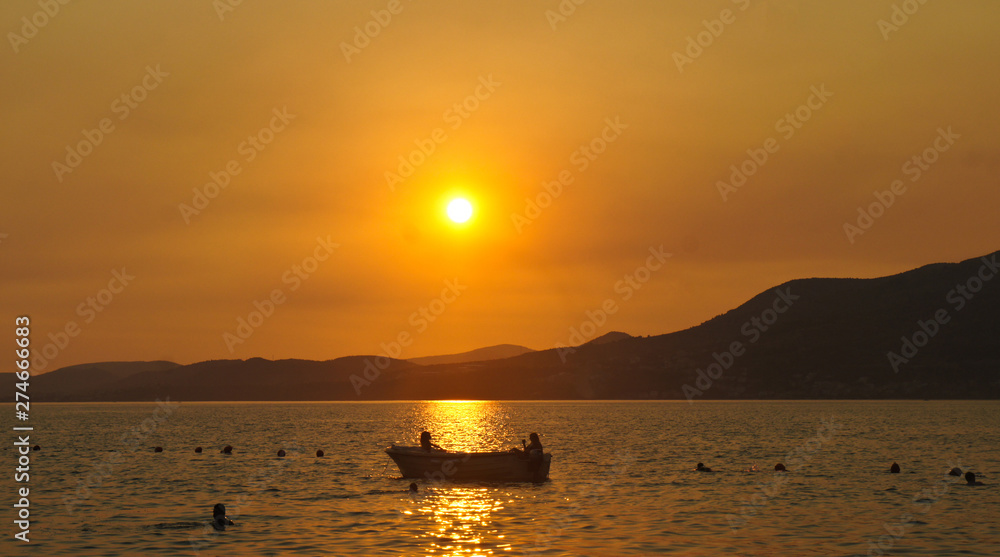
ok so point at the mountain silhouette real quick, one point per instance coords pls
(497, 352)
(929, 333)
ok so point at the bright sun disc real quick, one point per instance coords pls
(459, 210)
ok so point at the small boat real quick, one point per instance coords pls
(415, 462)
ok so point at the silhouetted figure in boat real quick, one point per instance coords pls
(956, 471)
(702, 468)
(219, 518)
(534, 445)
(533, 451)
(970, 479)
(425, 442)
(779, 467)
(894, 469)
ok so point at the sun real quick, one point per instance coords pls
(459, 210)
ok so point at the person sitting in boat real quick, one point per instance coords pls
(536, 444)
(425, 442)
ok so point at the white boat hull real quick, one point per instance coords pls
(414, 462)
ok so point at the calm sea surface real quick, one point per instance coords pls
(622, 479)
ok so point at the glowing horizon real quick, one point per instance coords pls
(275, 184)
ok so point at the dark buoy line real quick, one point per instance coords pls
(228, 449)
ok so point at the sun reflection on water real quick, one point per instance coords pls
(461, 521)
(460, 518)
(467, 425)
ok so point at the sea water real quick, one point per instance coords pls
(622, 480)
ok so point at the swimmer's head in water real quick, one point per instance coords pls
(219, 518)
(779, 467)
(894, 468)
(956, 471)
(413, 488)
(970, 477)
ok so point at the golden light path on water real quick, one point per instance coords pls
(463, 515)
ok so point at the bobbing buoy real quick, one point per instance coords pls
(320, 453)
(36, 448)
(158, 450)
(281, 452)
(197, 449)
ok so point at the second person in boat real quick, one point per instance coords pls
(425, 442)
(536, 444)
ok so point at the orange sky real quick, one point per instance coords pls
(116, 112)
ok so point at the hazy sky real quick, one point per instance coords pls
(118, 114)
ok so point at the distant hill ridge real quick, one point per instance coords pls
(497, 352)
(928, 333)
